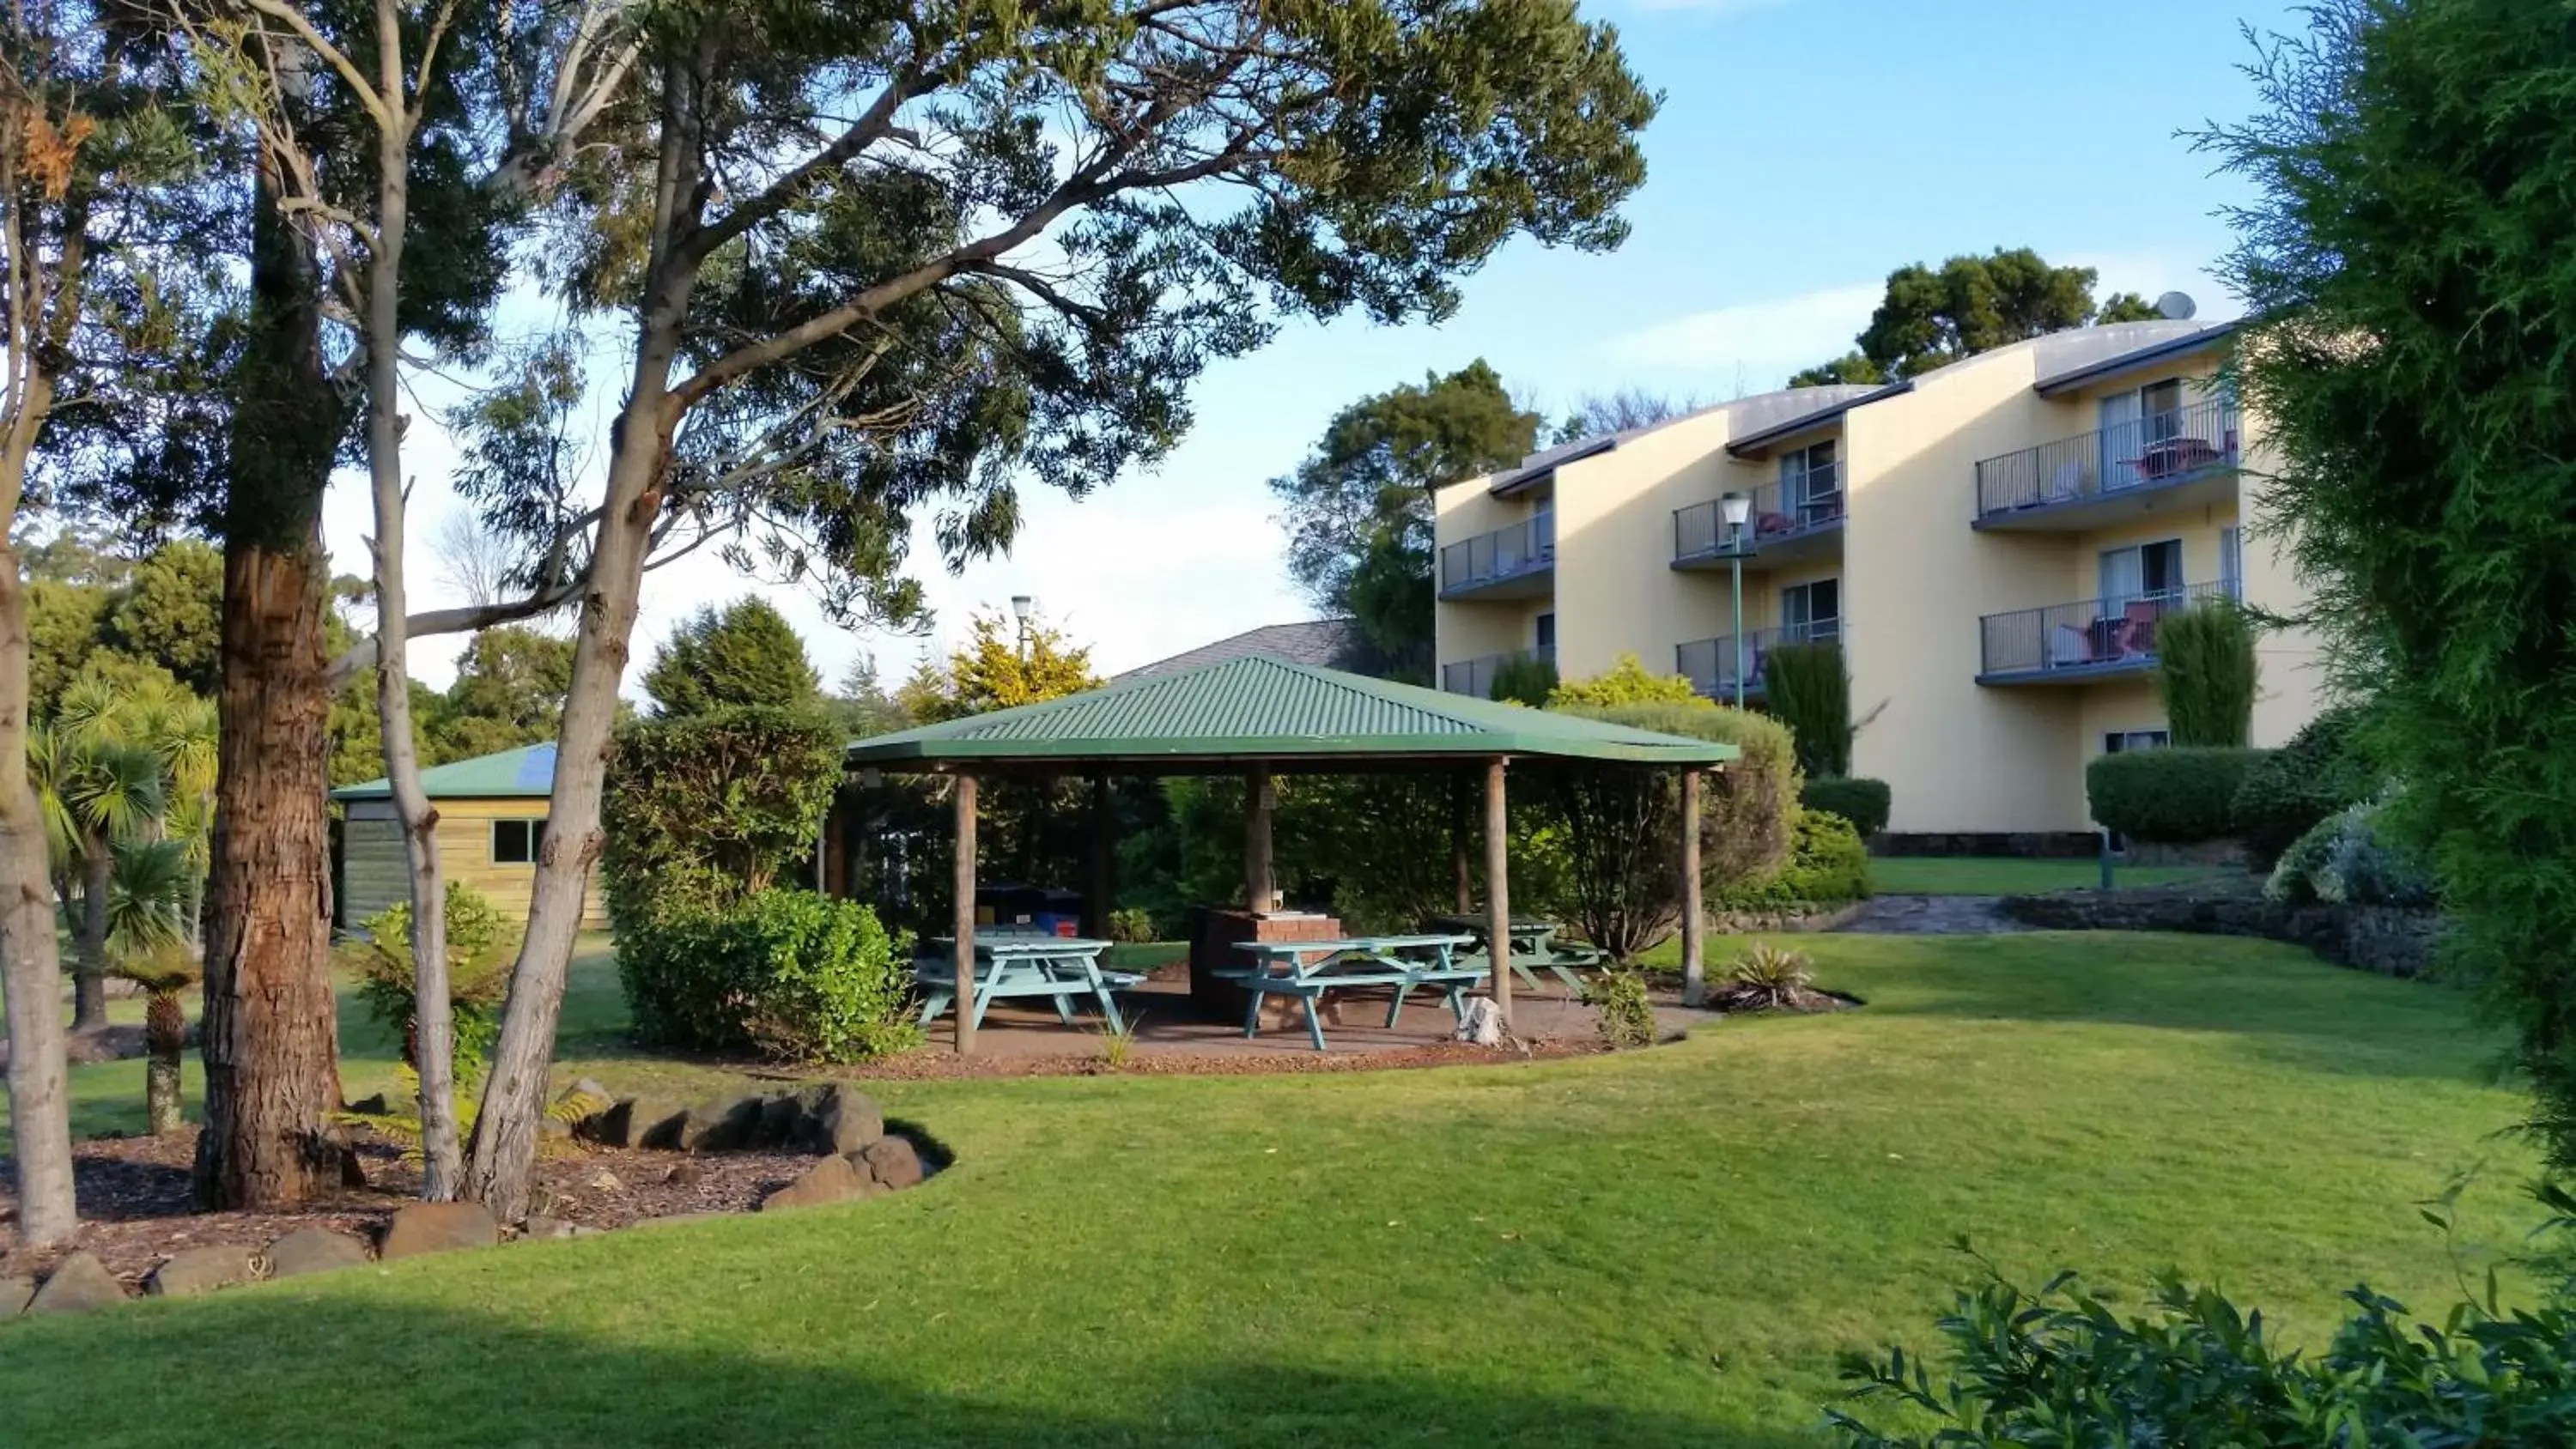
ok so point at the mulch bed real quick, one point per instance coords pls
(134, 1196)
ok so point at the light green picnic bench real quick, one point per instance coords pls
(1307, 969)
(1023, 963)
(1534, 945)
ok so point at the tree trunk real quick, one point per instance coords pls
(442, 1157)
(89, 982)
(270, 1038)
(514, 1099)
(39, 1104)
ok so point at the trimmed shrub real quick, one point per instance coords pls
(2206, 672)
(2349, 858)
(1828, 866)
(1132, 926)
(479, 947)
(1625, 682)
(1523, 679)
(704, 810)
(1626, 1014)
(1863, 802)
(2314, 775)
(1809, 690)
(2175, 796)
(787, 973)
(1748, 808)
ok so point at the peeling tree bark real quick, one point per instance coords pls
(39, 1106)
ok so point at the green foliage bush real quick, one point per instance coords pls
(2351, 858)
(703, 810)
(788, 973)
(480, 945)
(2206, 672)
(1828, 866)
(2175, 796)
(1863, 802)
(1132, 926)
(1524, 679)
(2287, 792)
(1809, 690)
(1625, 1013)
(2062, 1367)
(1625, 682)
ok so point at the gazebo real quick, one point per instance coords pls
(1259, 717)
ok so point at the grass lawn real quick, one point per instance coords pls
(1662, 1248)
(1925, 875)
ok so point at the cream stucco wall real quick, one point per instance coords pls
(1472, 628)
(1614, 550)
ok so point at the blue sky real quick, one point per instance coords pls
(1805, 148)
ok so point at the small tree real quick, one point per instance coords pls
(1001, 666)
(748, 654)
(2206, 672)
(707, 809)
(1809, 690)
(1523, 679)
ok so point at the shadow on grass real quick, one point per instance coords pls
(268, 1367)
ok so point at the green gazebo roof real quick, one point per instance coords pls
(1265, 710)
(526, 771)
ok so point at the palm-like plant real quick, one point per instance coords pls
(149, 888)
(102, 781)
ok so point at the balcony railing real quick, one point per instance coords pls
(1476, 676)
(1699, 531)
(2160, 448)
(1711, 664)
(2090, 636)
(1525, 547)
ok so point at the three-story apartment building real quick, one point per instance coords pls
(1992, 543)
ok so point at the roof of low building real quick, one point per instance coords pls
(526, 771)
(1324, 642)
(1263, 710)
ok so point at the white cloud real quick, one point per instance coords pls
(1764, 341)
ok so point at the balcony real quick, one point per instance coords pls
(1518, 562)
(1476, 676)
(1711, 664)
(2089, 639)
(1779, 530)
(2184, 458)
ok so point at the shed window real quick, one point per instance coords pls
(515, 842)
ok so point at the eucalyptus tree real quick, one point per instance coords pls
(890, 259)
(357, 108)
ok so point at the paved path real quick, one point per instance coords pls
(1931, 916)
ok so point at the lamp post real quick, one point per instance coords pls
(1022, 605)
(1735, 508)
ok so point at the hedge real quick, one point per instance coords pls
(2174, 796)
(2316, 774)
(788, 973)
(1862, 801)
(1828, 866)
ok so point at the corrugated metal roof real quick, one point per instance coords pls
(1261, 708)
(526, 771)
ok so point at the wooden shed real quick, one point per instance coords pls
(491, 817)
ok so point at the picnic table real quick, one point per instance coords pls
(1023, 963)
(1307, 969)
(1534, 944)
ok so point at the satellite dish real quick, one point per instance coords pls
(2176, 305)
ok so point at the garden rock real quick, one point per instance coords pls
(844, 1121)
(541, 1228)
(438, 1227)
(1482, 1025)
(717, 1126)
(893, 1161)
(14, 1293)
(375, 1106)
(313, 1250)
(684, 1174)
(635, 1122)
(203, 1270)
(782, 1121)
(834, 1179)
(80, 1284)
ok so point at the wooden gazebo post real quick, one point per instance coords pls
(1694, 920)
(1095, 895)
(1260, 881)
(964, 929)
(1498, 891)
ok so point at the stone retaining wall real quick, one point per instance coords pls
(2383, 939)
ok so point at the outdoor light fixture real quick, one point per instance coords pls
(1735, 508)
(1022, 607)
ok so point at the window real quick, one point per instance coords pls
(2133, 422)
(1543, 631)
(515, 842)
(2122, 741)
(2146, 572)
(2231, 562)
(1811, 488)
(1811, 611)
